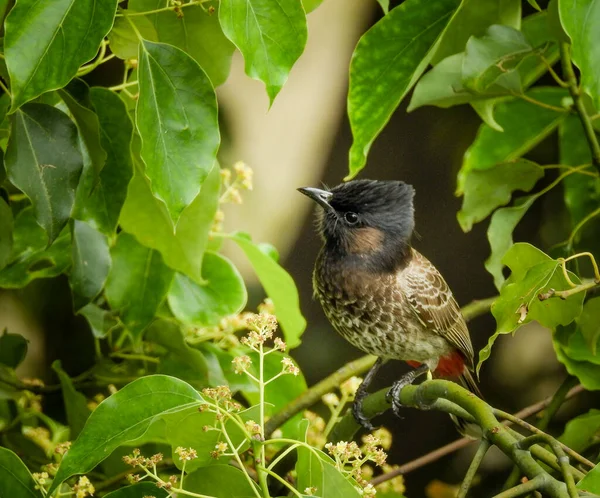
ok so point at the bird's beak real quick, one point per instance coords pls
(321, 197)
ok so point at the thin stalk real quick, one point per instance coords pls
(575, 91)
(484, 446)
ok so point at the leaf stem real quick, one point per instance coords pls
(122, 86)
(580, 225)
(531, 100)
(162, 9)
(280, 479)
(575, 91)
(5, 88)
(484, 446)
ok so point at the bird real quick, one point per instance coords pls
(381, 294)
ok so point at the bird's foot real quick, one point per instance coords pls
(357, 411)
(393, 395)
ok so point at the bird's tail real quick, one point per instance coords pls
(465, 428)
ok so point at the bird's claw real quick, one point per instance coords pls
(359, 416)
(393, 395)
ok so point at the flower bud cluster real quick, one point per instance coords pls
(136, 459)
(220, 448)
(233, 187)
(83, 488)
(351, 459)
(186, 454)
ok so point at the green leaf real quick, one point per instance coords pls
(44, 162)
(219, 481)
(270, 34)
(13, 349)
(499, 235)
(525, 125)
(472, 19)
(147, 218)
(310, 5)
(123, 417)
(101, 321)
(30, 257)
(491, 58)
(124, 41)
(534, 4)
(221, 370)
(385, 5)
(139, 490)
(137, 283)
(77, 98)
(6, 233)
(279, 286)
(224, 293)
(15, 478)
(572, 351)
(46, 42)
(176, 116)
(574, 344)
(443, 86)
(591, 482)
(582, 432)
(99, 200)
(581, 21)
(582, 192)
(532, 273)
(75, 402)
(485, 190)
(182, 361)
(386, 63)
(589, 321)
(315, 470)
(198, 33)
(91, 263)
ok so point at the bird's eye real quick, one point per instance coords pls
(351, 218)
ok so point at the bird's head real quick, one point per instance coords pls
(366, 217)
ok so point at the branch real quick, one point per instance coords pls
(313, 395)
(451, 398)
(575, 92)
(461, 443)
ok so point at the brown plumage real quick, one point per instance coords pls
(378, 292)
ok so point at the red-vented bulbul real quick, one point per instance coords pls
(382, 295)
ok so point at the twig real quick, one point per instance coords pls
(484, 445)
(561, 458)
(575, 92)
(314, 394)
(356, 367)
(461, 443)
(522, 489)
(555, 403)
(564, 294)
(540, 433)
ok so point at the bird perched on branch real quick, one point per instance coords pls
(382, 295)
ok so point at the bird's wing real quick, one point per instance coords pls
(433, 303)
